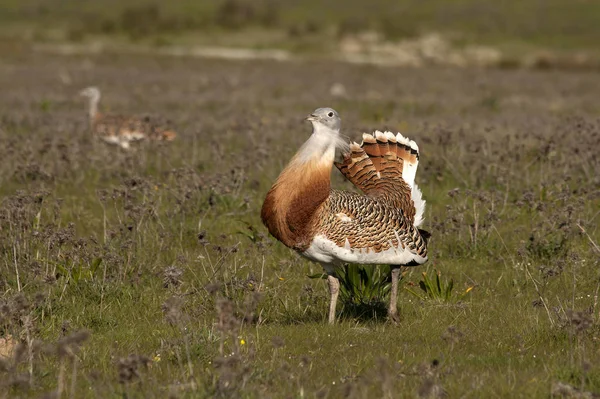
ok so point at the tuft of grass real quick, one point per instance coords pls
(438, 289)
(364, 290)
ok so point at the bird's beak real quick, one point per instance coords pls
(311, 118)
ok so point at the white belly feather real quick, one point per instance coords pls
(325, 251)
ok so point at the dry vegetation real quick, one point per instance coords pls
(549, 33)
(148, 273)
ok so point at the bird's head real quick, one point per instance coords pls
(90, 92)
(325, 118)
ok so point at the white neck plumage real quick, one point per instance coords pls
(93, 106)
(321, 145)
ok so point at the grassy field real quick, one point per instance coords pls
(148, 273)
(514, 26)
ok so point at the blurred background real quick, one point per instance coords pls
(406, 32)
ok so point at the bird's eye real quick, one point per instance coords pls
(330, 114)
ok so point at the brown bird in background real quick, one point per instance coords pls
(122, 130)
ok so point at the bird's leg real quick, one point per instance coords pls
(393, 309)
(334, 290)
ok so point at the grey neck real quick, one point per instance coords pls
(93, 107)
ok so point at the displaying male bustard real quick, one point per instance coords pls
(122, 130)
(334, 227)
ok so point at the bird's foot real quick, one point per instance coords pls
(393, 318)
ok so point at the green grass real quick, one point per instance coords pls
(192, 298)
(514, 26)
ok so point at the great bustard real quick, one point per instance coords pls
(122, 130)
(334, 227)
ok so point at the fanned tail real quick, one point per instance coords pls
(384, 165)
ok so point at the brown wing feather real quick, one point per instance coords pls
(375, 167)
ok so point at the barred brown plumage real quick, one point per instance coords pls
(333, 227)
(377, 225)
(122, 130)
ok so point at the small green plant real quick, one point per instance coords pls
(362, 285)
(437, 289)
(79, 271)
(45, 105)
(250, 232)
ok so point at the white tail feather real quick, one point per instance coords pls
(380, 136)
(402, 140)
(419, 202)
(409, 172)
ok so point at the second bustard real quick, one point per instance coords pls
(122, 130)
(334, 227)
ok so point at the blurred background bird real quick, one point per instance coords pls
(122, 130)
